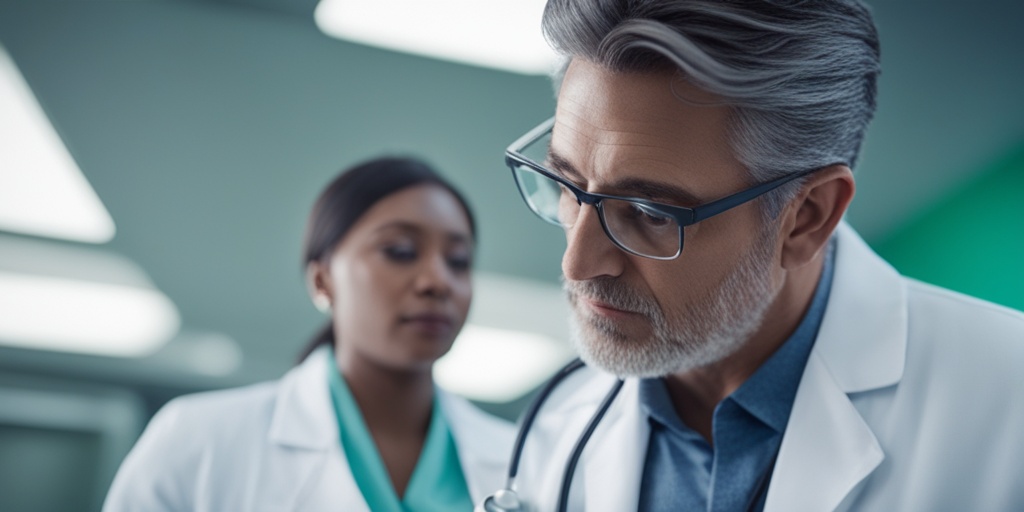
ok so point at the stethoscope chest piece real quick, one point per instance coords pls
(505, 500)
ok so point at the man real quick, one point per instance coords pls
(772, 361)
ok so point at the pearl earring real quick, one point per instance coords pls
(322, 303)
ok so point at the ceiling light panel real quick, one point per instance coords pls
(501, 34)
(42, 190)
(65, 315)
(73, 298)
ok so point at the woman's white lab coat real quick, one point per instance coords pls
(912, 400)
(275, 447)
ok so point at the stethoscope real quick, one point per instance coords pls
(506, 499)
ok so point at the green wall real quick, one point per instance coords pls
(971, 241)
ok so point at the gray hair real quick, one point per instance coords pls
(800, 76)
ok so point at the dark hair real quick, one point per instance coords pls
(348, 197)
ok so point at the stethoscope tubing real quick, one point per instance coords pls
(581, 443)
(524, 429)
(531, 415)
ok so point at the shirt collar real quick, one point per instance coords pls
(657, 403)
(768, 394)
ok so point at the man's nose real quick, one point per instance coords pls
(589, 253)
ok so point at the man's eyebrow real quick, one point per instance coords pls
(563, 167)
(639, 187)
(659, 191)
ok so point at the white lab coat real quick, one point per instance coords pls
(912, 400)
(275, 447)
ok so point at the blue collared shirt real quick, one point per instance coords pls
(682, 472)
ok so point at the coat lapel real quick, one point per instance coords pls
(484, 444)
(303, 466)
(554, 434)
(828, 447)
(863, 335)
(613, 473)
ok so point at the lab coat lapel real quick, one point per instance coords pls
(294, 479)
(828, 448)
(614, 465)
(303, 466)
(826, 451)
(483, 444)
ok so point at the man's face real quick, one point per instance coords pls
(657, 137)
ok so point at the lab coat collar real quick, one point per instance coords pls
(304, 429)
(474, 434)
(828, 448)
(303, 464)
(615, 470)
(863, 334)
(304, 415)
(826, 451)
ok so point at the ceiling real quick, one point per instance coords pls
(207, 129)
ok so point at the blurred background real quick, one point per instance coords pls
(158, 159)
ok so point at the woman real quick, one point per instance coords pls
(358, 425)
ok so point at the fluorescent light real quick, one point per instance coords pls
(42, 191)
(77, 299)
(51, 313)
(498, 365)
(502, 34)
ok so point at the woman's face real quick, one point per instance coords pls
(399, 281)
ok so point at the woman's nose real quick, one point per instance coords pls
(434, 277)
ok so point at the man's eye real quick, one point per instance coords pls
(650, 216)
(400, 253)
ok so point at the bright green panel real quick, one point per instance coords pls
(972, 241)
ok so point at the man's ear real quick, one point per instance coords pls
(318, 284)
(812, 216)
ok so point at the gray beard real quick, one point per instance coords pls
(714, 327)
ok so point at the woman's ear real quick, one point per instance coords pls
(814, 214)
(318, 284)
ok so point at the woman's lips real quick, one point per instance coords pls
(431, 323)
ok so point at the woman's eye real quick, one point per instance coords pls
(460, 263)
(400, 253)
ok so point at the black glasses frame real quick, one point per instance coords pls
(683, 216)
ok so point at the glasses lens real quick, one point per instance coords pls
(634, 226)
(546, 197)
(642, 229)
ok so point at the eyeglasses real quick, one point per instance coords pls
(636, 225)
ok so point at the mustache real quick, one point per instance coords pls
(610, 291)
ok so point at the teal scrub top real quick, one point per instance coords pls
(437, 483)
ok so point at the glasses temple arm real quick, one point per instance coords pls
(729, 202)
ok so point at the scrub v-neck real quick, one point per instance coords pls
(436, 484)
